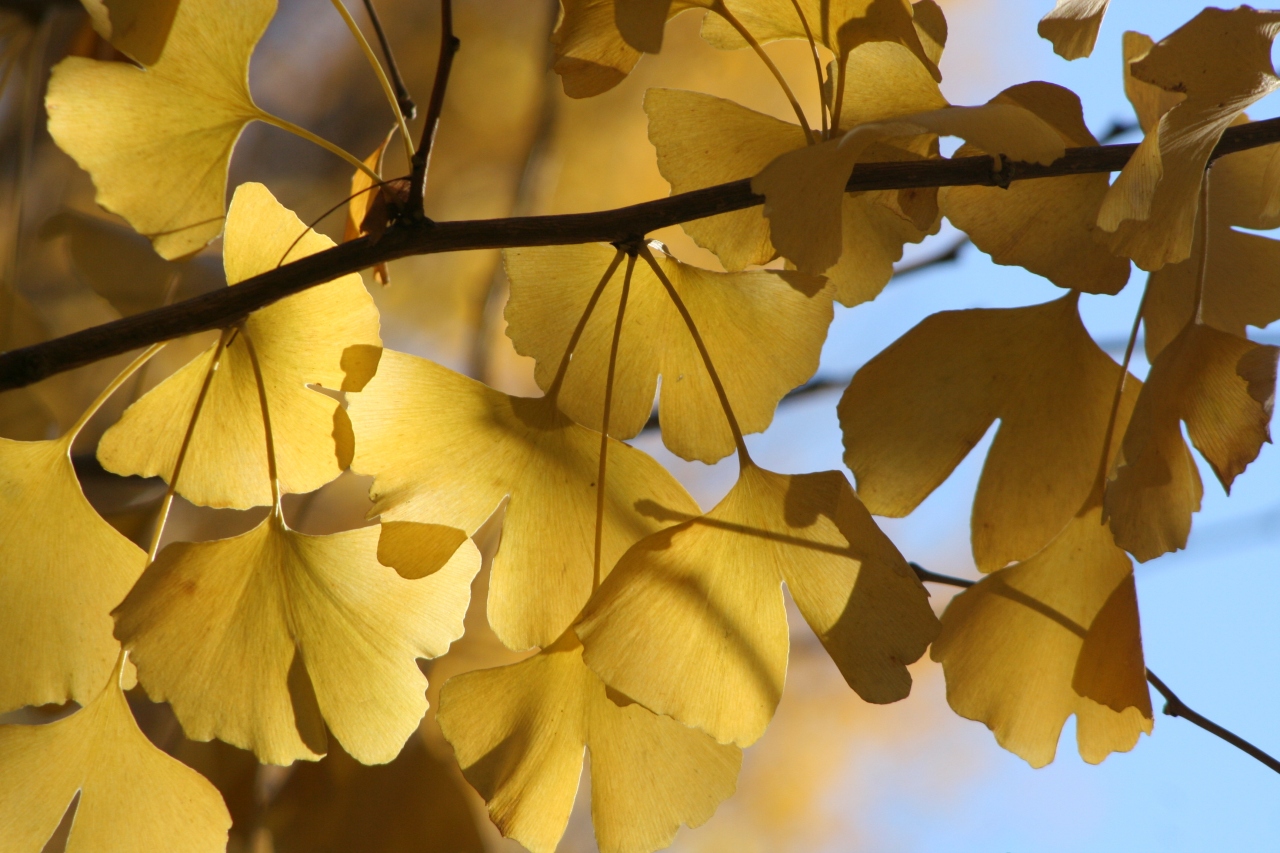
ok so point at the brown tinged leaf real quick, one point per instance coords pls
(684, 126)
(912, 413)
(367, 211)
(1221, 61)
(593, 55)
(1072, 26)
(263, 639)
(1055, 635)
(1223, 387)
(129, 797)
(327, 336)
(519, 732)
(445, 449)
(764, 328)
(691, 622)
(1047, 226)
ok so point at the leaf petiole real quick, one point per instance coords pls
(387, 90)
(286, 125)
(604, 425)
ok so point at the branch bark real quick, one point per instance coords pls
(449, 45)
(222, 308)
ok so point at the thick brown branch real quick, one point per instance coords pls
(1173, 706)
(222, 308)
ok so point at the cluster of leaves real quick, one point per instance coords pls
(658, 632)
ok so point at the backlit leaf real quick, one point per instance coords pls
(137, 28)
(519, 732)
(764, 328)
(915, 410)
(1072, 26)
(445, 449)
(691, 622)
(262, 639)
(326, 335)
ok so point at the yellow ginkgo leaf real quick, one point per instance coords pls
(804, 189)
(1047, 225)
(132, 798)
(1221, 61)
(915, 410)
(1072, 26)
(121, 266)
(326, 335)
(764, 328)
(136, 28)
(446, 449)
(684, 126)
(62, 569)
(415, 804)
(1053, 636)
(519, 732)
(1239, 282)
(691, 622)
(593, 55)
(1223, 388)
(262, 639)
(157, 140)
(841, 25)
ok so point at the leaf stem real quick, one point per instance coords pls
(1203, 272)
(817, 64)
(112, 386)
(403, 99)
(285, 124)
(842, 67)
(604, 425)
(377, 70)
(272, 473)
(167, 501)
(744, 458)
(449, 45)
(1174, 707)
(554, 389)
(722, 10)
(1107, 437)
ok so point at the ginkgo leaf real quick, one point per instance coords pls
(1223, 388)
(765, 329)
(1239, 282)
(132, 798)
(684, 126)
(415, 804)
(121, 266)
(1221, 61)
(1053, 636)
(592, 55)
(137, 28)
(326, 335)
(691, 622)
(519, 732)
(446, 449)
(915, 410)
(842, 26)
(262, 639)
(157, 140)
(804, 189)
(1046, 225)
(62, 569)
(1072, 26)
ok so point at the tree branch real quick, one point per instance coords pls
(407, 106)
(419, 237)
(449, 45)
(1173, 707)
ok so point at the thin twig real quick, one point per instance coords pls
(407, 106)
(1174, 707)
(225, 307)
(449, 45)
